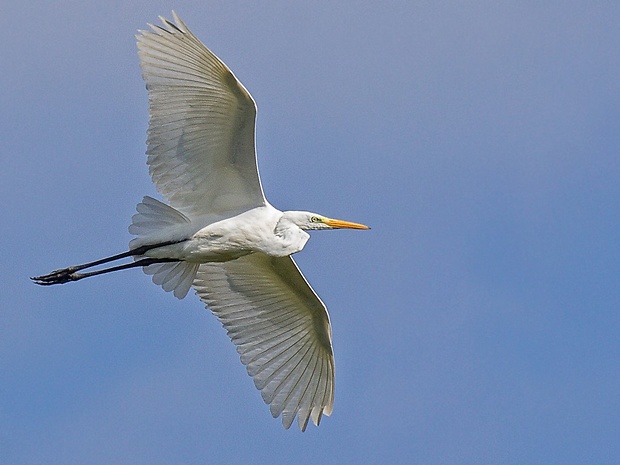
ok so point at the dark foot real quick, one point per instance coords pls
(58, 277)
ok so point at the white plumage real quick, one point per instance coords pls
(201, 132)
(281, 330)
(219, 234)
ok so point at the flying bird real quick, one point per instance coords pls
(218, 233)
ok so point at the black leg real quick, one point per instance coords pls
(70, 273)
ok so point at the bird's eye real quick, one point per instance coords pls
(315, 219)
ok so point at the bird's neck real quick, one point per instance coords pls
(291, 237)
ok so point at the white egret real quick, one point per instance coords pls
(219, 234)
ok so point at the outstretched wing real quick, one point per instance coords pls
(201, 152)
(281, 330)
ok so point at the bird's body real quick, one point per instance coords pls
(261, 229)
(219, 234)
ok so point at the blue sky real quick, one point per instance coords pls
(477, 322)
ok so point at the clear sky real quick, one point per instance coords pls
(478, 322)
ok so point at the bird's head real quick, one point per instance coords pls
(312, 221)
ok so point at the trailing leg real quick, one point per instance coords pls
(70, 274)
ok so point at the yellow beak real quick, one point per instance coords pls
(344, 224)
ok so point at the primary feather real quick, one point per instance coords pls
(200, 141)
(281, 330)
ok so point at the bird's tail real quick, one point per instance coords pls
(156, 222)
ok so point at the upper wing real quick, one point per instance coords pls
(281, 330)
(200, 141)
